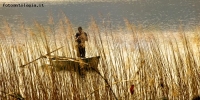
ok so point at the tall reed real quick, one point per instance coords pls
(160, 64)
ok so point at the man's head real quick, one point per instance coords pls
(80, 29)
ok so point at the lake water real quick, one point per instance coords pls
(163, 13)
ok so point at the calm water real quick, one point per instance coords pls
(163, 13)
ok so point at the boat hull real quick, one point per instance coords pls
(73, 64)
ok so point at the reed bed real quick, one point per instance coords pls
(162, 65)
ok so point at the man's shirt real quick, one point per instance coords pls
(81, 38)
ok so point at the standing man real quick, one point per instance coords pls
(80, 38)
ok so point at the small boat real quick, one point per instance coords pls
(66, 63)
(74, 64)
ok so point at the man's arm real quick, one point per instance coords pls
(77, 36)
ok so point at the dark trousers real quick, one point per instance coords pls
(81, 51)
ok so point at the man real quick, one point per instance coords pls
(80, 38)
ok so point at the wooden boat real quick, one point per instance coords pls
(74, 64)
(66, 63)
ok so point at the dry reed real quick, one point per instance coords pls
(161, 65)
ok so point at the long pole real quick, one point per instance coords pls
(40, 57)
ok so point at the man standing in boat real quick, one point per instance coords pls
(80, 38)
